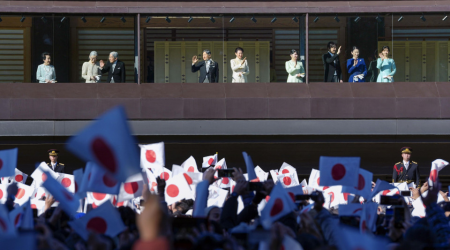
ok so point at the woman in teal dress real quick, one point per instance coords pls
(295, 68)
(386, 66)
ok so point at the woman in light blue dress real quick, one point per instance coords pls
(386, 66)
(295, 68)
(46, 72)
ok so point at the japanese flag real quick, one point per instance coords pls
(339, 171)
(166, 174)
(103, 220)
(23, 194)
(97, 199)
(250, 167)
(351, 209)
(3, 192)
(335, 195)
(19, 176)
(67, 201)
(368, 217)
(22, 216)
(67, 181)
(436, 166)
(314, 179)
(274, 174)
(101, 181)
(39, 205)
(177, 189)
(381, 186)
(153, 156)
(364, 187)
(108, 142)
(152, 183)
(178, 170)
(353, 239)
(279, 205)
(262, 176)
(209, 161)
(293, 191)
(131, 189)
(198, 177)
(419, 208)
(190, 165)
(8, 162)
(288, 180)
(77, 180)
(288, 169)
(40, 173)
(6, 225)
(217, 196)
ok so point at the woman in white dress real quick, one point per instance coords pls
(239, 66)
(46, 72)
(91, 70)
(386, 66)
(295, 68)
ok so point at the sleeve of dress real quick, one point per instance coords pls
(379, 62)
(350, 67)
(234, 66)
(365, 68)
(84, 70)
(289, 68)
(39, 77)
(394, 69)
(247, 69)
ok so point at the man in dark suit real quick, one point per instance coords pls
(115, 68)
(54, 164)
(407, 170)
(209, 69)
(331, 64)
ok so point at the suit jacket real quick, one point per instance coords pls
(400, 173)
(59, 167)
(213, 74)
(330, 67)
(119, 71)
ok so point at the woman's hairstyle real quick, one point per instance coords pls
(386, 47)
(239, 48)
(354, 47)
(93, 53)
(293, 51)
(44, 55)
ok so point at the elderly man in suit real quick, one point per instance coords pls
(115, 68)
(331, 64)
(54, 164)
(209, 69)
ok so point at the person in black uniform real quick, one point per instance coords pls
(406, 170)
(54, 164)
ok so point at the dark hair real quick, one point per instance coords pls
(386, 47)
(354, 47)
(331, 44)
(239, 48)
(44, 55)
(293, 51)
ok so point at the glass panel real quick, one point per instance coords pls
(421, 47)
(365, 32)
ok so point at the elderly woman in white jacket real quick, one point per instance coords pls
(91, 70)
(239, 66)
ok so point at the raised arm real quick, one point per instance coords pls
(350, 67)
(289, 68)
(331, 59)
(234, 66)
(379, 62)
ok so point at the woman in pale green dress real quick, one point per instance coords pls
(386, 66)
(295, 68)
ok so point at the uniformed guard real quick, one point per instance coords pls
(406, 170)
(54, 164)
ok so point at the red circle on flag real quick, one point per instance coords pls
(17, 219)
(66, 182)
(120, 204)
(433, 175)
(385, 192)
(3, 225)
(338, 172)
(398, 192)
(191, 169)
(44, 177)
(131, 187)
(19, 178)
(277, 207)
(267, 198)
(218, 167)
(109, 181)
(33, 206)
(1, 163)
(232, 189)
(318, 181)
(210, 161)
(361, 182)
(346, 196)
(285, 171)
(20, 193)
(98, 196)
(287, 180)
(154, 184)
(225, 180)
(94, 206)
(332, 196)
(172, 190)
(150, 155)
(292, 196)
(188, 178)
(165, 176)
(325, 188)
(1, 193)
(97, 224)
(104, 154)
